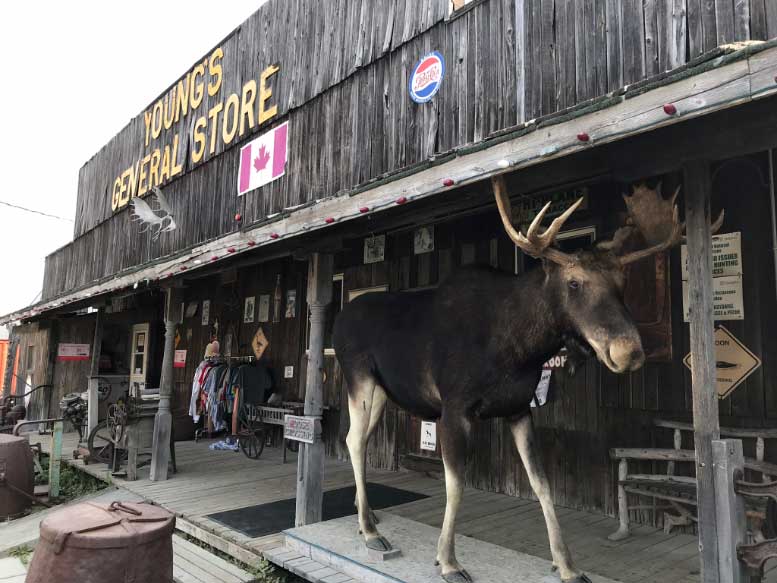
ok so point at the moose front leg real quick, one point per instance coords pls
(453, 439)
(523, 433)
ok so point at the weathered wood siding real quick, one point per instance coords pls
(580, 49)
(342, 86)
(33, 347)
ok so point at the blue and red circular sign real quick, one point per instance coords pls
(426, 78)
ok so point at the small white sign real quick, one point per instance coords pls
(374, 249)
(205, 312)
(541, 393)
(428, 435)
(298, 428)
(67, 352)
(264, 308)
(727, 298)
(726, 255)
(288, 372)
(248, 310)
(423, 240)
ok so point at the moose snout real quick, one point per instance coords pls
(626, 354)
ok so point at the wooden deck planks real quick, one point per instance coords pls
(210, 481)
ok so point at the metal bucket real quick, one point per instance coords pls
(94, 543)
(16, 476)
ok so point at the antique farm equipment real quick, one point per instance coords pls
(74, 408)
(409, 348)
(16, 476)
(92, 543)
(13, 409)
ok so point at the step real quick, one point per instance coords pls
(335, 544)
(303, 566)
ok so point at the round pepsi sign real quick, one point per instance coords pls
(426, 78)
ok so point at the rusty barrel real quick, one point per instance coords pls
(123, 542)
(17, 480)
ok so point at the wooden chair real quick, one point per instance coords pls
(678, 493)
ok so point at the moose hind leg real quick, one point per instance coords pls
(360, 398)
(378, 405)
(454, 436)
(523, 433)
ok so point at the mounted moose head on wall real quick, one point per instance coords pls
(409, 347)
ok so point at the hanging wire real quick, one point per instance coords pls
(25, 209)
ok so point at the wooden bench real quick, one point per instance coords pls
(678, 493)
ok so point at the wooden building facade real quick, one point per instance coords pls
(565, 96)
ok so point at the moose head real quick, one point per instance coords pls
(587, 286)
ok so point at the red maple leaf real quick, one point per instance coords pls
(260, 162)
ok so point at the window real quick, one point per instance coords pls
(30, 357)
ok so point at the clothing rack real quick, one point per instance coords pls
(231, 362)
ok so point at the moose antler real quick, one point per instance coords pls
(533, 243)
(656, 218)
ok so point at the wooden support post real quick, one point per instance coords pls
(163, 421)
(623, 503)
(51, 409)
(92, 416)
(310, 464)
(706, 425)
(732, 521)
(55, 459)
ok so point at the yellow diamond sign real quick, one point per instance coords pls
(733, 361)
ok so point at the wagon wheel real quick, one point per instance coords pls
(252, 443)
(100, 444)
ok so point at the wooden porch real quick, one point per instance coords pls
(213, 481)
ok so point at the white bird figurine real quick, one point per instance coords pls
(143, 213)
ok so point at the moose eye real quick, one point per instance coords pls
(574, 284)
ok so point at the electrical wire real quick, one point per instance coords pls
(16, 206)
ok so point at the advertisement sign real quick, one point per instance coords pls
(73, 352)
(426, 78)
(179, 359)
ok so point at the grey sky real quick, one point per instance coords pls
(74, 73)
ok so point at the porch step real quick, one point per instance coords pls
(336, 545)
(288, 558)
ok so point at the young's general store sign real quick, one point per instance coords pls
(227, 119)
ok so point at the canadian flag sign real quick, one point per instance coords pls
(263, 160)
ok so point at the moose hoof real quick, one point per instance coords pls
(579, 579)
(379, 544)
(457, 577)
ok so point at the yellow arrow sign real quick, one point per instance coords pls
(733, 362)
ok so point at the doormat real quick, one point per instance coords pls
(274, 517)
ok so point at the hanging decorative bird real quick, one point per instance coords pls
(143, 213)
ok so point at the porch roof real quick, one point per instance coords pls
(728, 76)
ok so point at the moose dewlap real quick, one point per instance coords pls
(94, 543)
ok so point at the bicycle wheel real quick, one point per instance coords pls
(252, 443)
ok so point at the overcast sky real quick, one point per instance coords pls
(73, 75)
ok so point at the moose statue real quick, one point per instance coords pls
(409, 347)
